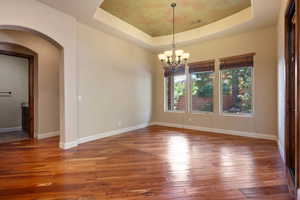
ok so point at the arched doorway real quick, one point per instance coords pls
(64, 115)
(62, 29)
(16, 50)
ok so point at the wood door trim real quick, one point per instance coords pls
(292, 4)
(15, 50)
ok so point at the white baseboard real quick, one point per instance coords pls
(41, 136)
(110, 133)
(221, 131)
(69, 145)
(281, 150)
(11, 129)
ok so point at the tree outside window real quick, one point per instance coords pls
(179, 93)
(237, 90)
(202, 91)
(176, 89)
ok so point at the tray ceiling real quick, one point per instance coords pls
(154, 17)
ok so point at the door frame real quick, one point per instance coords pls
(293, 181)
(15, 50)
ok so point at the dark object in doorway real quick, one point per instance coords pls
(25, 118)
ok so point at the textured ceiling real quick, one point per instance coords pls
(154, 17)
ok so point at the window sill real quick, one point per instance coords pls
(202, 113)
(212, 113)
(178, 112)
(237, 115)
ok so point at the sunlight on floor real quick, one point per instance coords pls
(179, 157)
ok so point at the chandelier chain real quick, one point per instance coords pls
(173, 58)
(174, 27)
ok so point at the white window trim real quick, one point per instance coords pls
(217, 77)
(166, 95)
(249, 115)
(166, 110)
(202, 113)
(175, 112)
(189, 90)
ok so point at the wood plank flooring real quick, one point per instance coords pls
(156, 163)
(13, 136)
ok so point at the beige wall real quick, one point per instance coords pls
(61, 28)
(114, 82)
(106, 63)
(104, 55)
(281, 76)
(13, 78)
(264, 119)
(115, 89)
(47, 93)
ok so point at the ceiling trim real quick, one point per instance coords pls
(207, 30)
(261, 13)
(118, 25)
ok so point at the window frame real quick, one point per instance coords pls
(190, 95)
(217, 91)
(166, 108)
(221, 111)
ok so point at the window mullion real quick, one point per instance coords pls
(187, 90)
(172, 93)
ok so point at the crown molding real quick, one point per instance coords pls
(118, 26)
(260, 14)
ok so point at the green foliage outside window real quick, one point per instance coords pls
(202, 87)
(179, 90)
(202, 84)
(237, 84)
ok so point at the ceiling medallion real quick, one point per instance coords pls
(173, 59)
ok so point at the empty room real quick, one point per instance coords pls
(149, 100)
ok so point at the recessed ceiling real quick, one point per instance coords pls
(154, 17)
(260, 14)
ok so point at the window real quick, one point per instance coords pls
(236, 84)
(194, 91)
(202, 86)
(176, 89)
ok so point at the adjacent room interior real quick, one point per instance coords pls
(30, 100)
(140, 100)
(13, 98)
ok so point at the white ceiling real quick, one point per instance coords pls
(81, 9)
(262, 13)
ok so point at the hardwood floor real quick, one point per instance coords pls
(156, 163)
(13, 136)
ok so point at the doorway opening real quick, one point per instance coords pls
(64, 118)
(16, 92)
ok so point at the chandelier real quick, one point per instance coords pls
(173, 59)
